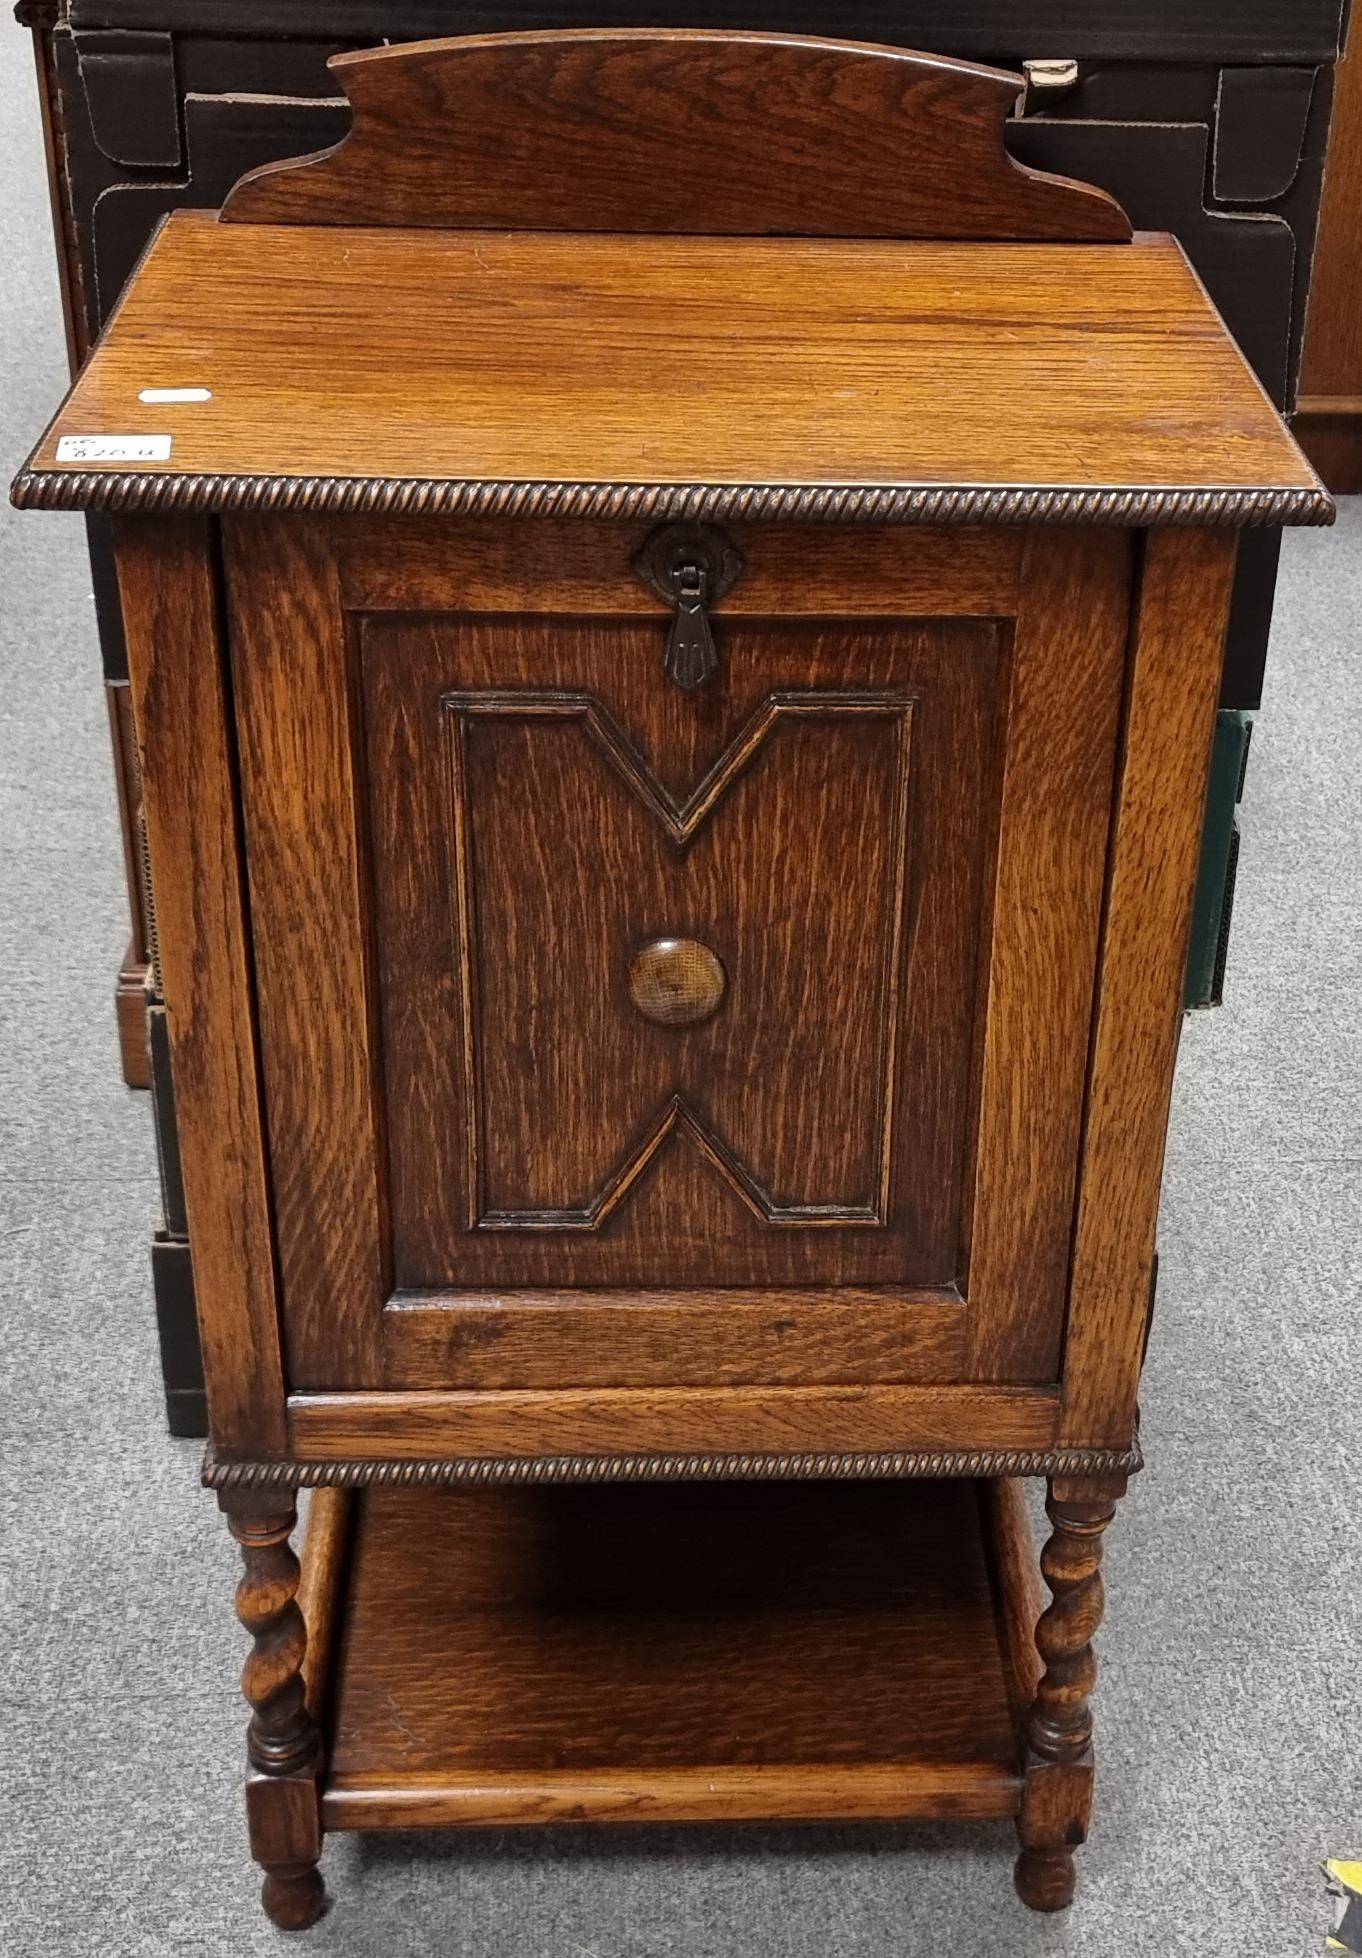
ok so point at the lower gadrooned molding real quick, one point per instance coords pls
(907, 503)
(989, 1462)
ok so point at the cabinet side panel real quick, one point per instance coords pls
(176, 662)
(1161, 790)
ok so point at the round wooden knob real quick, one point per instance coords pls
(676, 982)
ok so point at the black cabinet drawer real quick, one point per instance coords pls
(1167, 30)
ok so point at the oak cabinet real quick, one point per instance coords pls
(674, 813)
(1203, 117)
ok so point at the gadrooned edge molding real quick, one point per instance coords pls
(218, 1474)
(94, 489)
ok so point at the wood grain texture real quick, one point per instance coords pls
(1175, 672)
(617, 375)
(677, 1339)
(180, 703)
(683, 1420)
(323, 1561)
(675, 130)
(847, 1791)
(597, 1077)
(560, 831)
(570, 852)
(1007, 1531)
(312, 953)
(874, 571)
(1067, 666)
(671, 1654)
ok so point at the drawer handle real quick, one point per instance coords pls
(676, 982)
(689, 566)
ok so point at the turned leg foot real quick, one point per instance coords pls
(1045, 1878)
(282, 1742)
(294, 1895)
(1057, 1789)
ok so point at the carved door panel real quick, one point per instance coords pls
(576, 812)
(617, 1031)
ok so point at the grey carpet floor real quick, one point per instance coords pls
(1230, 1705)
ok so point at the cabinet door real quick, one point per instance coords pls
(618, 1032)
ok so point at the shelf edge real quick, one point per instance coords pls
(1132, 507)
(219, 1473)
(831, 1792)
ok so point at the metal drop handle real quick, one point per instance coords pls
(689, 566)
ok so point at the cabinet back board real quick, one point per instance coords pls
(597, 129)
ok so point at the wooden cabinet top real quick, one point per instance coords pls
(672, 273)
(366, 369)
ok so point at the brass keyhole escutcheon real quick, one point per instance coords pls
(676, 982)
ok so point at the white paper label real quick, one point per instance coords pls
(154, 395)
(114, 448)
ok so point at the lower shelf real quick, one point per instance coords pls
(671, 1652)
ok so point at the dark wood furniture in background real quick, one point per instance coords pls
(1203, 117)
(1329, 411)
(674, 814)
